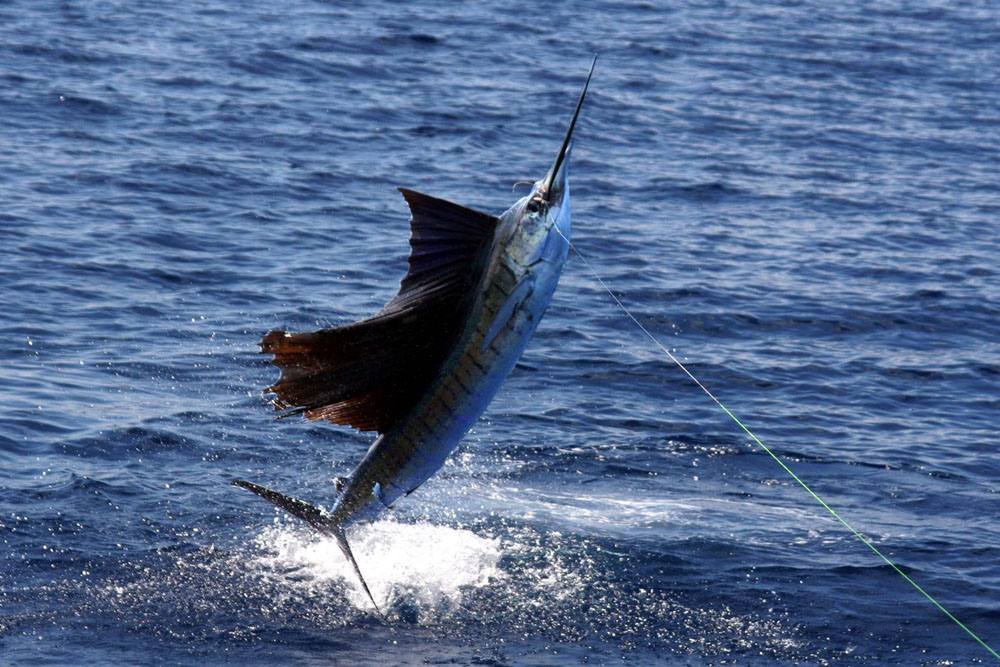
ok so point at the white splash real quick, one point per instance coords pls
(419, 564)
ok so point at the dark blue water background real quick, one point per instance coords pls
(799, 198)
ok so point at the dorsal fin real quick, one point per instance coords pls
(445, 239)
(370, 373)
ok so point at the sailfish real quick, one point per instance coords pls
(423, 369)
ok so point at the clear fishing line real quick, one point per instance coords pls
(777, 458)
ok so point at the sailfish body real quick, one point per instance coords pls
(423, 369)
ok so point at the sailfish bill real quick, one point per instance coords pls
(422, 370)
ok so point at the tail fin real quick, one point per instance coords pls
(322, 522)
(346, 548)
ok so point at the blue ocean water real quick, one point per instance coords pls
(799, 198)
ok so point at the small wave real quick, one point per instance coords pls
(402, 39)
(710, 191)
(115, 444)
(185, 82)
(89, 106)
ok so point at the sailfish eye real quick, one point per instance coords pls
(534, 205)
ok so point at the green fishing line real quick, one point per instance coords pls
(780, 461)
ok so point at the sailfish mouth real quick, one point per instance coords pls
(554, 183)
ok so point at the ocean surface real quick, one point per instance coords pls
(799, 199)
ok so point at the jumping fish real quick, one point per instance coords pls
(422, 370)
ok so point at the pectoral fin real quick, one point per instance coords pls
(507, 309)
(552, 249)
